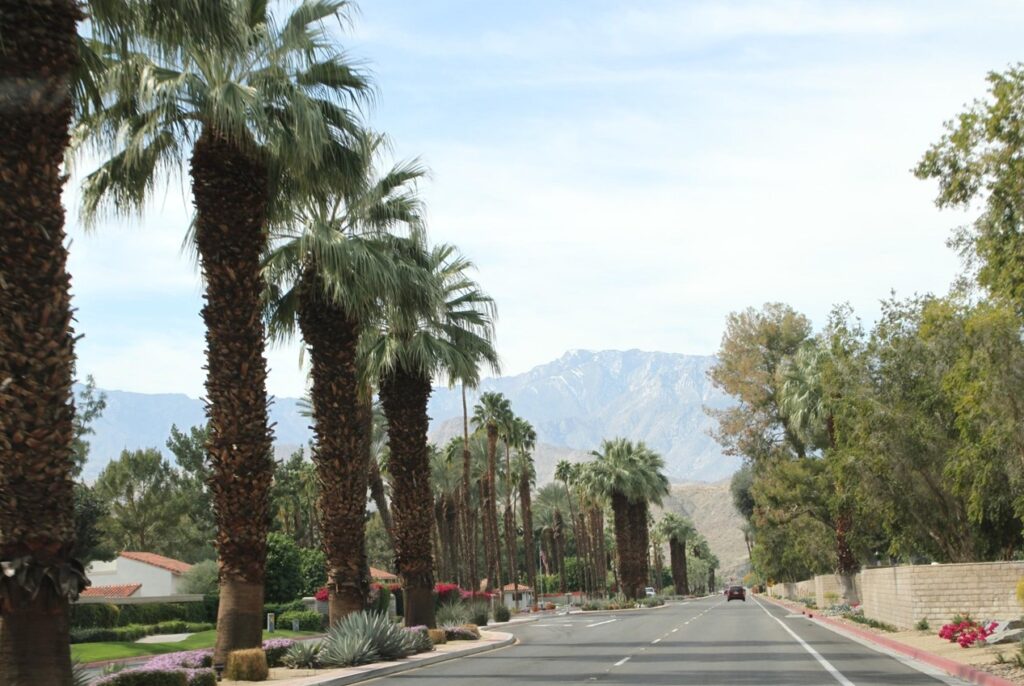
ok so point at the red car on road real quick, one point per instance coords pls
(736, 592)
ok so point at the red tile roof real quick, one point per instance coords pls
(168, 563)
(118, 591)
(381, 575)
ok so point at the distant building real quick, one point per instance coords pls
(382, 577)
(136, 575)
(513, 592)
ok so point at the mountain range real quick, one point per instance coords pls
(573, 402)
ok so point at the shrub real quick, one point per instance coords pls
(478, 613)
(418, 639)
(302, 655)
(309, 620)
(873, 623)
(91, 615)
(381, 601)
(460, 633)
(189, 659)
(502, 613)
(247, 665)
(276, 649)
(201, 677)
(202, 578)
(283, 571)
(452, 613)
(322, 594)
(437, 636)
(922, 625)
(668, 590)
(173, 627)
(966, 631)
(154, 613)
(363, 637)
(145, 677)
(313, 568)
(447, 593)
(280, 608)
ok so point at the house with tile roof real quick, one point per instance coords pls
(137, 575)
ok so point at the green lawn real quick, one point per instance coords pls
(95, 652)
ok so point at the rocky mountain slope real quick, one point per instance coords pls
(573, 402)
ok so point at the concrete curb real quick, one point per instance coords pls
(951, 667)
(368, 672)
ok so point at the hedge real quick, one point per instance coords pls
(88, 615)
(309, 620)
(135, 632)
(146, 677)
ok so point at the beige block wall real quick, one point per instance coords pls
(904, 595)
(824, 585)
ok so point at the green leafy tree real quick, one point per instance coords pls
(251, 102)
(193, 474)
(202, 578)
(89, 406)
(90, 512)
(980, 158)
(144, 506)
(284, 569)
(313, 565)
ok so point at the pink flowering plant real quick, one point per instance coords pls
(966, 632)
(322, 595)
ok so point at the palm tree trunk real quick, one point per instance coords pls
(525, 504)
(510, 525)
(559, 534)
(341, 447)
(229, 187)
(468, 520)
(404, 395)
(37, 54)
(492, 539)
(379, 496)
(597, 525)
(620, 509)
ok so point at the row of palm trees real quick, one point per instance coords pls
(294, 229)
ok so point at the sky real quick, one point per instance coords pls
(623, 173)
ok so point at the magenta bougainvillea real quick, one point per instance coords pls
(966, 631)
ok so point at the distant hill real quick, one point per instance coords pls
(573, 402)
(711, 509)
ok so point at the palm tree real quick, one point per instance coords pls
(809, 411)
(527, 476)
(410, 346)
(568, 473)
(517, 434)
(630, 476)
(492, 412)
(677, 530)
(445, 479)
(250, 102)
(327, 274)
(378, 461)
(38, 55)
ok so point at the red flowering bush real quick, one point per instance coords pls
(322, 595)
(966, 631)
(447, 593)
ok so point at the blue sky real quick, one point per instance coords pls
(624, 174)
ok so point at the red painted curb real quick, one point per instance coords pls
(952, 667)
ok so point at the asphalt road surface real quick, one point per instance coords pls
(707, 641)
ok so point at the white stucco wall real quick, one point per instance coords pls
(155, 581)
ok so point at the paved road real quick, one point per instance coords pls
(706, 641)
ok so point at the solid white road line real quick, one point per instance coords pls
(621, 662)
(836, 674)
(607, 621)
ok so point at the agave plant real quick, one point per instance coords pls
(341, 649)
(452, 614)
(363, 637)
(303, 655)
(418, 639)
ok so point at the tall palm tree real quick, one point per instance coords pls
(568, 473)
(631, 477)
(249, 101)
(327, 274)
(526, 475)
(378, 460)
(491, 413)
(38, 56)
(446, 480)
(411, 346)
(677, 530)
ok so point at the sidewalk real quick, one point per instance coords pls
(281, 676)
(976, 665)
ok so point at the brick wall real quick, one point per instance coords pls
(904, 595)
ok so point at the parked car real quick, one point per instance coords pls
(649, 591)
(736, 592)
